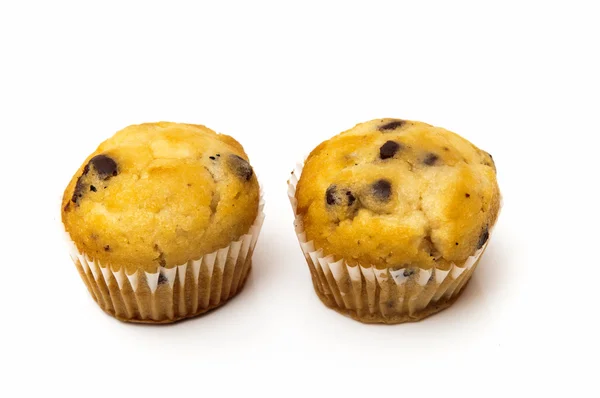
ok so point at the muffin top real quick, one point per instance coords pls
(160, 194)
(398, 193)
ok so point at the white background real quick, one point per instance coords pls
(518, 79)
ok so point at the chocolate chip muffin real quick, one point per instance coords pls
(163, 218)
(393, 216)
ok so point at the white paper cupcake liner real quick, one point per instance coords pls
(172, 293)
(369, 294)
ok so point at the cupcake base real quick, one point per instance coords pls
(169, 295)
(432, 308)
(200, 311)
(390, 296)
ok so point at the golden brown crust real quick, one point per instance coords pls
(394, 193)
(160, 194)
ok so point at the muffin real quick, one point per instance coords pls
(393, 217)
(163, 219)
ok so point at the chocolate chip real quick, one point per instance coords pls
(430, 159)
(79, 188)
(105, 166)
(485, 234)
(107, 248)
(212, 158)
(162, 279)
(382, 190)
(341, 203)
(392, 125)
(492, 164)
(389, 149)
(467, 195)
(330, 196)
(351, 198)
(241, 167)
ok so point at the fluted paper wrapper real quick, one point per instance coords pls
(374, 295)
(172, 293)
